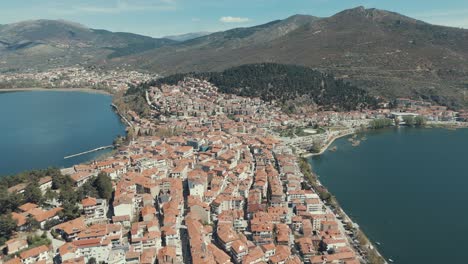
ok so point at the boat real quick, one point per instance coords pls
(390, 260)
(356, 143)
(364, 138)
(378, 243)
(333, 149)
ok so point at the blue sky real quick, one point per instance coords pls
(166, 17)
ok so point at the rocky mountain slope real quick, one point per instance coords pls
(384, 52)
(52, 43)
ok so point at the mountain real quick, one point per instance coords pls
(384, 52)
(188, 36)
(52, 43)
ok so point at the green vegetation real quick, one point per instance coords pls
(415, 121)
(283, 83)
(103, 185)
(36, 241)
(134, 99)
(408, 120)
(32, 194)
(381, 123)
(420, 121)
(306, 169)
(372, 254)
(7, 226)
(62, 188)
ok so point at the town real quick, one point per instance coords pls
(207, 177)
(75, 77)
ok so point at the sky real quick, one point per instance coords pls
(159, 18)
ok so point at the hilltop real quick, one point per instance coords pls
(384, 52)
(55, 43)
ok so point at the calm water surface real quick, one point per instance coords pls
(407, 189)
(38, 129)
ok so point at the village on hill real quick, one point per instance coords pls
(207, 178)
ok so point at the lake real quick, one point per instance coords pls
(40, 128)
(407, 189)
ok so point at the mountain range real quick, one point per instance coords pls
(386, 53)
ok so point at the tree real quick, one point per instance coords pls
(103, 185)
(50, 195)
(380, 123)
(9, 201)
(70, 211)
(32, 224)
(92, 261)
(62, 182)
(32, 194)
(409, 120)
(7, 226)
(420, 121)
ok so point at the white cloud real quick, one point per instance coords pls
(230, 19)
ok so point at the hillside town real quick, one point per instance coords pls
(222, 189)
(206, 178)
(75, 77)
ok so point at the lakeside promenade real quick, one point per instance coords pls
(85, 90)
(330, 141)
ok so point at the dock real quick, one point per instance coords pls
(89, 151)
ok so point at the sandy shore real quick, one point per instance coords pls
(84, 90)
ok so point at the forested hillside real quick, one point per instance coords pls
(284, 83)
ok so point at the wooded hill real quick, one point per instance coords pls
(288, 85)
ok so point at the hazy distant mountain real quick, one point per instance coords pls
(387, 53)
(188, 36)
(51, 43)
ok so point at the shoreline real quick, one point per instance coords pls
(330, 142)
(84, 90)
(366, 243)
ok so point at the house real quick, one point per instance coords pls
(80, 178)
(35, 255)
(69, 230)
(145, 235)
(42, 216)
(68, 252)
(97, 248)
(167, 255)
(124, 205)
(95, 210)
(45, 183)
(185, 151)
(14, 260)
(197, 181)
(15, 245)
(179, 172)
(19, 188)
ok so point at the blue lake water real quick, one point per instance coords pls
(38, 129)
(407, 189)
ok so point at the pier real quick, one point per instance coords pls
(89, 151)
